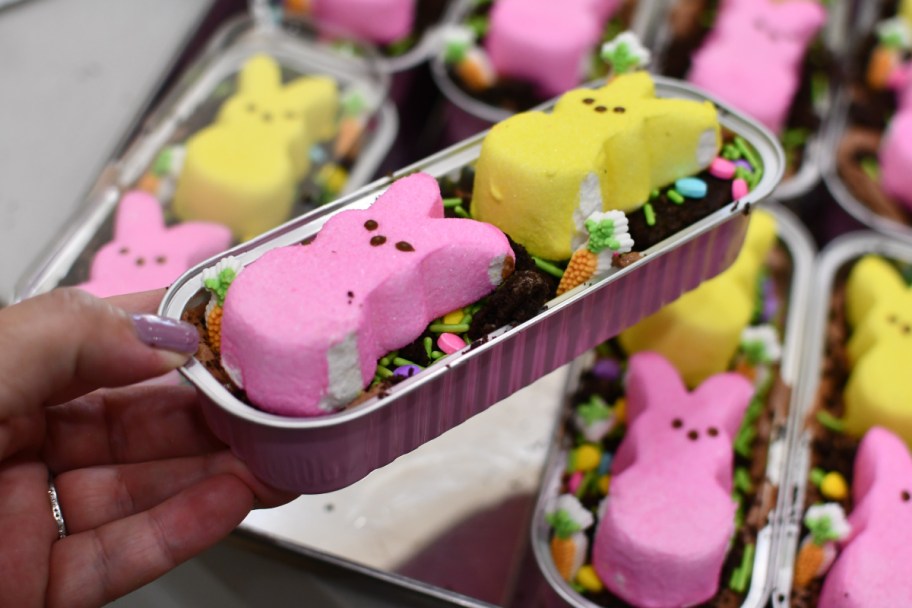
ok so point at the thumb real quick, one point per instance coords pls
(66, 343)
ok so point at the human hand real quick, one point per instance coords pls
(141, 481)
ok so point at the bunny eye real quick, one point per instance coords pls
(290, 115)
(693, 435)
(371, 224)
(677, 423)
(251, 107)
(378, 240)
(124, 250)
(619, 109)
(892, 319)
(906, 328)
(267, 117)
(404, 246)
(140, 261)
(160, 259)
(906, 496)
(712, 431)
(589, 101)
(601, 109)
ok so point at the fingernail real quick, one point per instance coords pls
(168, 334)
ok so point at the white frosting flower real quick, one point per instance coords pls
(766, 338)
(574, 509)
(833, 512)
(895, 32)
(626, 53)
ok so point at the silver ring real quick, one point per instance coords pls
(55, 510)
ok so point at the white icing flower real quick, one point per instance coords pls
(226, 263)
(457, 40)
(831, 512)
(626, 53)
(765, 339)
(574, 509)
(895, 32)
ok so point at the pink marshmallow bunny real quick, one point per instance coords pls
(546, 42)
(379, 21)
(875, 566)
(752, 58)
(303, 326)
(895, 153)
(669, 515)
(145, 254)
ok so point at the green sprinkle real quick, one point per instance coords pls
(741, 575)
(731, 152)
(399, 362)
(744, 441)
(749, 155)
(649, 212)
(353, 104)
(830, 422)
(742, 173)
(479, 25)
(384, 373)
(817, 475)
(460, 211)
(436, 354)
(742, 480)
(654, 194)
(399, 47)
(439, 328)
(162, 163)
(871, 168)
(385, 361)
(758, 174)
(675, 197)
(449, 203)
(795, 137)
(546, 266)
(428, 346)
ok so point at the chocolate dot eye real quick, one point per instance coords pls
(290, 115)
(124, 251)
(267, 117)
(371, 225)
(378, 240)
(589, 101)
(906, 329)
(693, 435)
(677, 423)
(351, 294)
(712, 431)
(619, 109)
(251, 107)
(403, 246)
(160, 259)
(892, 319)
(140, 261)
(601, 109)
(906, 496)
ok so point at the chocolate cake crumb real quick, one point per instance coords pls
(516, 300)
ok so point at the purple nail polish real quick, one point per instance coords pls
(169, 334)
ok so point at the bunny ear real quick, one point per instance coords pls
(420, 193)
(202, 239)
(872, 280)
(881, 462)
(761, 234)
(260, 74)
(138, 214)
(652, 383)
(728, 396)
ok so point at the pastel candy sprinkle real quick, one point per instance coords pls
(588, 579)
(453, 318)
(586, 457)
(743, 164)
(691, 187)
(834, 486)
(722, 168)
(574, 482)
(607, 369)
(450, 343)
(406, 371)
(739, 189)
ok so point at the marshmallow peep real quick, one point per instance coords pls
(873, 567)
(303, 326)
(752, 57)
(879, 389)
(243, 170)
(546, 42)
(533, 166)
(700, 331)
(669, 515)
(379, 21)
(145, 254)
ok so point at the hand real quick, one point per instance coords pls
(142, 483)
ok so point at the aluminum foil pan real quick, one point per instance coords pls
(796, 243)
(322, 454)
(832, 263)
(191, 105)
(802, 181)
(640, 23)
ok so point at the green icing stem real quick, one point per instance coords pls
(546, 266)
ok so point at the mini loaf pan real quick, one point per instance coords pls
(321, 454)
(191, 105)
(640, 23)
(796, 245)
(831, 269)
(801, 182)
(430, 16)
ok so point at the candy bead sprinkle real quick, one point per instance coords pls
(406, 371)
(834, 486)
(450, 343)
(739, 189)
(722, 168)
(589, 580)
(691, 187)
